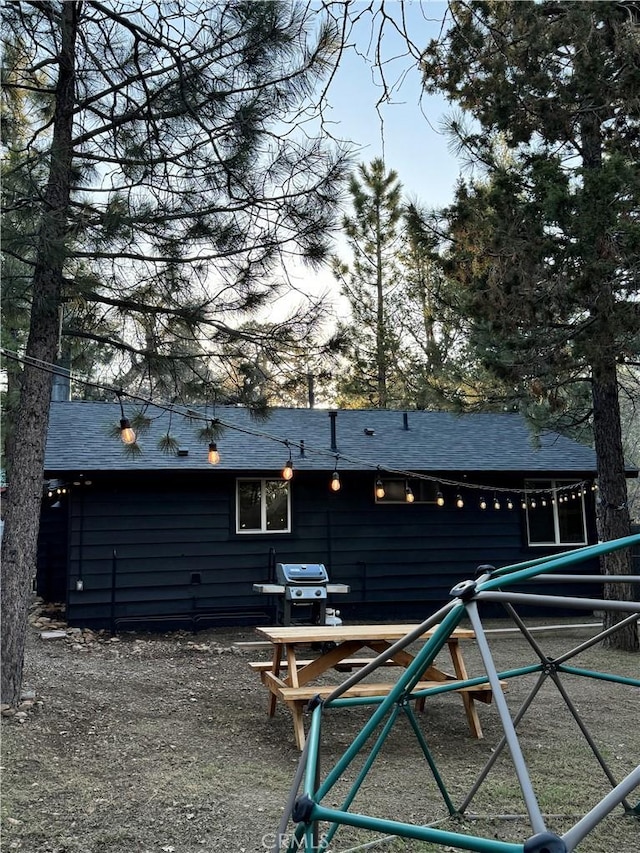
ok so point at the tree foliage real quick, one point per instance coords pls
(404, 340)
(545, 244)
(158, 173)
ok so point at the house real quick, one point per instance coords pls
(164, 538)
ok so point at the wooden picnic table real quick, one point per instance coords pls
(289, 674)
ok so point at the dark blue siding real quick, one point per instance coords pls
(172, 547)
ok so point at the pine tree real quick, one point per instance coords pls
(546, 246)
(370, 282)
(173, 182)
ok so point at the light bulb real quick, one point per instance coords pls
(496, 503)
(524, 503)
(126, 433)
(533, 503)
(335, 482)
(509, 503)
(543, 501)
(287, 471)
(408, 495)
(440, 499)
(214, 456)
(379, 489)
(483, 503)
(459, 501)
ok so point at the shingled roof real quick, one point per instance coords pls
(81, 438)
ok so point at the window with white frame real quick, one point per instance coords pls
(263, 506)
(555, 513)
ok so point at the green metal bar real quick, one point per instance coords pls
(423, 659)
(603, 676)
(313, 737)
(420, 833)
(520, 572)
(429, 757)
(428, 691)
(363, 772)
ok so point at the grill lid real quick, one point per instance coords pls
(301, 573)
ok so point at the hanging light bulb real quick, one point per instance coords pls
(127, 434)
(509, 503)
(533, 503)
(214, 456)
(459, 501)
(335, 482)
(287, 471)
(440, 499)
(379, 489)
(524, 503)
(496, 502)
(408, 494)
(543, 500)
(483, 503)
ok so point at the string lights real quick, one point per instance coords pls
(127, 434)
(557, 495)
(287, 471)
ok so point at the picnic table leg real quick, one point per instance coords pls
(467, 698)
(277, 657)
(298, 722)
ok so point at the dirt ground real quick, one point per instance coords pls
(151, 743)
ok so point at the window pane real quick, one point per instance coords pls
(277, 499)
(541, 524)
(424, 491)
(394, 490)
(249, 505)
(571, 521)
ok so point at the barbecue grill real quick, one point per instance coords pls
(303, 587)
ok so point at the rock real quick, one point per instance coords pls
(28, 703)
(27, 694)
(53, 635)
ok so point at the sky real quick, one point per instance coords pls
(407, 132)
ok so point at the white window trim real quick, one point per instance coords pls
(555, 485)
(263, 507)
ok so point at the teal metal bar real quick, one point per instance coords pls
(445, 687)
(420, 833)
(602, 676)
(429, 758)
(313, 737)
(524, 571)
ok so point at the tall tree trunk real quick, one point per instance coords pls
(613, 511)
(613, 518)
(381, 355)
(24, 493)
